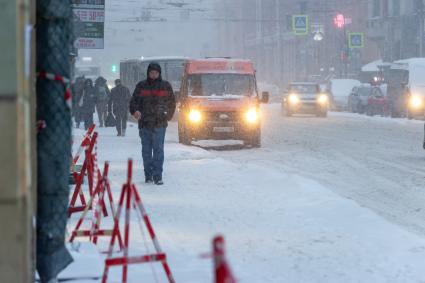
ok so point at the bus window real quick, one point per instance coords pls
(174, 71)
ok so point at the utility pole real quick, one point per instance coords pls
(421, 27)
(346, 51)
(259, 41)
(279, 40)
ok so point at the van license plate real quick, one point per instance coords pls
(223, 129)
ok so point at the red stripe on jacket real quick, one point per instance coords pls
(147, 92)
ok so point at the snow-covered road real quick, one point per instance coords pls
(331, 200)
(377, 162)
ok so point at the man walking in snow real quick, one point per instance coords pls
(102, 97)
(153, 105)
(87, 103)
(118, 104)
(77, 93)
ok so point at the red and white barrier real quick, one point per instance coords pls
(89, 169)
(84, 143)
(102, 188)
(222, 271)
(99, 186)
(131, 196)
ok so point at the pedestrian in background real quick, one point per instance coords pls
(118, 105)
(153, 105)
(87, 103)
(77, 94)
(102, 98)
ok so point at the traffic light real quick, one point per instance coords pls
(114, 68)
(339, 21)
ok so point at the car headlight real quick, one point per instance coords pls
(293, 99)
(251, 115)
(416, 101)
(323, 99)
(195, 116)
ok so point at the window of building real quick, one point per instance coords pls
(395, 9)
(376, 12)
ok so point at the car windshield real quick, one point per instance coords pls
(221, 85)
(304, 88)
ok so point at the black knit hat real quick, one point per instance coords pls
(154, 66)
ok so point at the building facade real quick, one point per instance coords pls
(396, 28)
(262, 30)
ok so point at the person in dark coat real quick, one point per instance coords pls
(102, 98)
(118, 105)
(153, 105)
(77, 94)
(87, 103)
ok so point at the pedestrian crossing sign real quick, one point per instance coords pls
(356, 40)
(300, 24)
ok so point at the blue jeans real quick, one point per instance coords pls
(153, 150)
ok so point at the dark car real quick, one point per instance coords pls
(358, 99)
(378, 103)
(305, 98)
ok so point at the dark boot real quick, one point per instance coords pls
(148, 180)
(158, 180)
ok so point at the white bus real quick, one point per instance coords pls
(133, 71)
(87, 71)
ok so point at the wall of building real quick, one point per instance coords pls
(17, 126)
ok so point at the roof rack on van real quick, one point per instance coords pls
(218, 57)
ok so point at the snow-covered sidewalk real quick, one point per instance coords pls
(279, 227)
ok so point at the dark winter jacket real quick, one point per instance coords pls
(155, 100)
(119, 100)
(102, 90)
(89, 99)
(77, 92)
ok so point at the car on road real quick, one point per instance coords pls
(340, 89)
(377, 103)
(305, 98)
(358, 98)
(219, 100)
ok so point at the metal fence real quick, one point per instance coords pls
(54, 37)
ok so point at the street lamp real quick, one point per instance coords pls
(318, 36)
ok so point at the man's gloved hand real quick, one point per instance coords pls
(137, 115)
